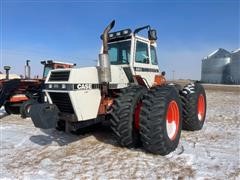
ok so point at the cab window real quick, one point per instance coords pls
(141, 53)
(119, 52)
(153, 55)
(46, 71)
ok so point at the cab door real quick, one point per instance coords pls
(145, 61)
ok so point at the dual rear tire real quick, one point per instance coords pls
(194, 105)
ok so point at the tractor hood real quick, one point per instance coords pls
(78, 91)
(85, 75)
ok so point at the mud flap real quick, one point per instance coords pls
(44, 116)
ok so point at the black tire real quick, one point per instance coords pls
(7, 109)
(192, 118)
(123, 116)
(10, 109)
(153, 124)
(25, 108)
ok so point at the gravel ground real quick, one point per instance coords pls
(213, 152)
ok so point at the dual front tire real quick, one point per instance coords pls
(161, 120)
(154, 118)
(125, 116)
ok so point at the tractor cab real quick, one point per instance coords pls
(50, 65)
(125, 47)
(128, 49)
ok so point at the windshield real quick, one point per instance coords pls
(46, 71)
(119, 52)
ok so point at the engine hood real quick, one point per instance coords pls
(85, 75)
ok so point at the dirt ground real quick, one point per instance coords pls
(213, 152)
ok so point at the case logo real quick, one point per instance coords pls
(84, 86)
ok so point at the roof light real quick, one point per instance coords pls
(111, 35)
(125, 31)
(119, 34)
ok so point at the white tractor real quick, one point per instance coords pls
(126, 88)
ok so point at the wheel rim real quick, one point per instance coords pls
(137, 115)
(172, 120)
(201, 107)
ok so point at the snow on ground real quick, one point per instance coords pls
(2, 112)
(213, 152)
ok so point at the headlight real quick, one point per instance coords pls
(55, 86)
(64, 86)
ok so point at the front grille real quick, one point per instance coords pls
(62, 101)
(59, 76)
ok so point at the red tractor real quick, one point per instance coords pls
(17, 95)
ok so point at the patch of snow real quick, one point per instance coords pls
(2, 111)
(236, 51)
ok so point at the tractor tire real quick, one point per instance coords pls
(161, 120)
(25, 108)
(125, 116)
(11, 109)
(194, 106)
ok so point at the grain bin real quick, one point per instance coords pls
(215, 67)
(235, 67)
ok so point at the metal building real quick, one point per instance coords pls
(235, 67)
(215, 67)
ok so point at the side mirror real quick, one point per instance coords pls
(152, 34)
(43, 62)
(163, 73)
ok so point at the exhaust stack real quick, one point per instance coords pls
(104, 64)
(27, 70)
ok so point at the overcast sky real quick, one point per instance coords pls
(70, 30)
